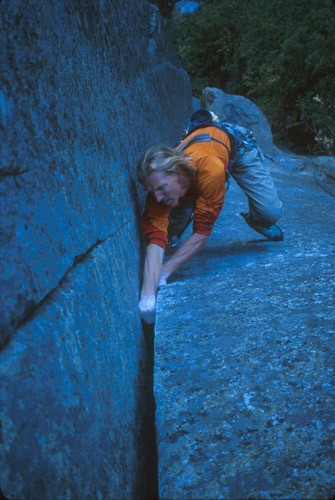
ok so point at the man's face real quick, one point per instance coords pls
(167, 188)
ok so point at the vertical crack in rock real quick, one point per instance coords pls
(147, 480)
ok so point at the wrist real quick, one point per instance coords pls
(147, 297)
(147, 292)
(163, 279)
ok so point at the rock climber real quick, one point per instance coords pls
(189, 182)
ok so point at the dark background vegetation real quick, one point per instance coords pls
(278, 53)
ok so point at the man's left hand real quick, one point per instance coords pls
(163, 279)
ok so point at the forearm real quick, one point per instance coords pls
(152, 269)
(184, 253)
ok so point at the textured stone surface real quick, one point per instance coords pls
(239, 109)
(86, 87)
(69, 385)
(322, 168)
(244, 357)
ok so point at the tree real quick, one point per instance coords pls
(279, 54)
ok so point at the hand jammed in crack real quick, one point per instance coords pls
(147, 303)
(147, 308)
(163, 279)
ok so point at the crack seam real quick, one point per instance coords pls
(78, 259)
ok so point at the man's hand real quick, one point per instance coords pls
(152, 271)
(147, 308)
(163, 279)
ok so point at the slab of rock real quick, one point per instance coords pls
(324, 172)
(244, 358)
(322, 168)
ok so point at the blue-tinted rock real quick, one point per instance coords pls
(244, 357)
(70, 382)
(84, 90)
(86, 87)
(185, 7)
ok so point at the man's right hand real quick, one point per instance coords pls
(147, 308)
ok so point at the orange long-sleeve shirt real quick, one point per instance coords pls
(211, 160)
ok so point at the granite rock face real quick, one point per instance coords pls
(321, 167)
(240, 110)
(244, 356)
(84, 87)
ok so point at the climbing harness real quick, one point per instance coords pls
(241, 138)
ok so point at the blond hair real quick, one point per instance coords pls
(164, 159)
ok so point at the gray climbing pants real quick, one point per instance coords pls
(250, 170)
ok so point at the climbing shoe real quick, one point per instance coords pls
(272, 233)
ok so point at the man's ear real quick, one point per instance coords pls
(183, 181)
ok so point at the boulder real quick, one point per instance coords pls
(240, 110)
(322, 168)
(324, 172)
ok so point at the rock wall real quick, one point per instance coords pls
(86, 87)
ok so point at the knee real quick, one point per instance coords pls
(274, 214)
(268, 215)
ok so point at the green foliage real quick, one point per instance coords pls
(280, 54)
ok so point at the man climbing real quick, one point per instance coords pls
(190, 181)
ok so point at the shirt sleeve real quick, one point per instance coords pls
(155, 222)
(211, 189)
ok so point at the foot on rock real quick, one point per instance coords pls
(272, 233)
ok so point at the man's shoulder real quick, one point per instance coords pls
(214, 142)
(208, 164)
